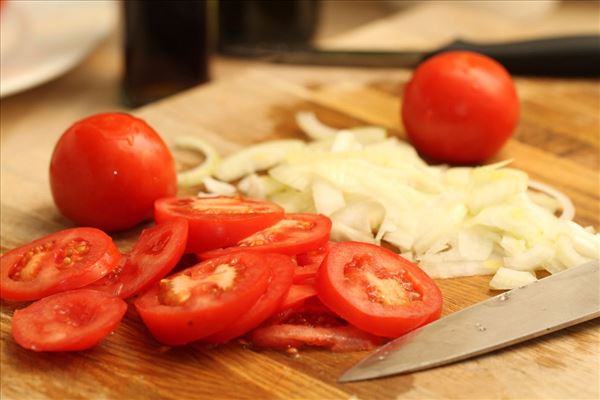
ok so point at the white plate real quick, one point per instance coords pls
(40, 40)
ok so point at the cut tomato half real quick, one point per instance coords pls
(216, 222)
(312, 327)
(204, 299)
(64, 260)
(154, 255)
(282, 272)
(294, 234)
(376, 289)
(67, 321)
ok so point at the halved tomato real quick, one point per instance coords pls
(67, 321)
(377, 290)
(64, 260)
(294, 234)
(282, 272)
(204, 299)
(216, 222)
(154, 255)
(313, 328)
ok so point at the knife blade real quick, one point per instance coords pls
(552, 303)
(555, 56)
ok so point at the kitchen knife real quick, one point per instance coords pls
(558, 301)
(558, 56)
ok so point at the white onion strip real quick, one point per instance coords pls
(568, 209)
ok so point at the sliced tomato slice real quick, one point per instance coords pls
(310, 327)
(315, 256)
(154, 255)
(204, 299)
(309, 263)
(216, 222)
(64, 260)
(294, 234)
(376, 289)
(282, 272)
(67, 321)
(296, 296)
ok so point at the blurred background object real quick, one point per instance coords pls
(165, 46)
(248, 27)
(40, 40)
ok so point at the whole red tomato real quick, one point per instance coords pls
(108, 169)
(460, 107)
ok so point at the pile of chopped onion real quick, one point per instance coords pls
(452, 221)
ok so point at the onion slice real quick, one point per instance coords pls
(568, 209)
(194, 176)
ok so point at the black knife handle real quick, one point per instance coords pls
(563, 56)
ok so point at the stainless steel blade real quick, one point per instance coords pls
(545, 306)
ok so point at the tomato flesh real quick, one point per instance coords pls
(154, 255)
(67, 321)
(282, 271)
(204, 299)
(294, 234)
(376, 289)
(296, 296)
(108, 169)
(309, 263)
(216, 222)
(310, 327)
(460, 107)
(64, 260)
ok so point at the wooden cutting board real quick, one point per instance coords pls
(556, 142)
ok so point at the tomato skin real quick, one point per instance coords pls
(282, 272)
(46, 272)
(155, 254)
(213, 229)
(312, 324)
(281, 239)
(460, 107)
(108, 169)
(343, 285)
(205, 311)
(68, 321)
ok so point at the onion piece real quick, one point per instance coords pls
(194, 176)
(255, 158)
(214, 186)
(507, 278)
(568, 209)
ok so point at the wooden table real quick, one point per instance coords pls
(556, 142)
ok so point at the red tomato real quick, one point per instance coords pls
(64, 260)
(282, 271)
(218, 221)
(296, 296)
(68, 321)
(377, 290)
(315, 256)
(460, 107)
(309, 263)
(294, 234)
(313, 329)
(204, 299)
(154, 255)
(108, 169)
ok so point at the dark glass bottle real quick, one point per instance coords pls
(165, 48)
(254, 27)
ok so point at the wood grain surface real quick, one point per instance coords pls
(557, 141)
